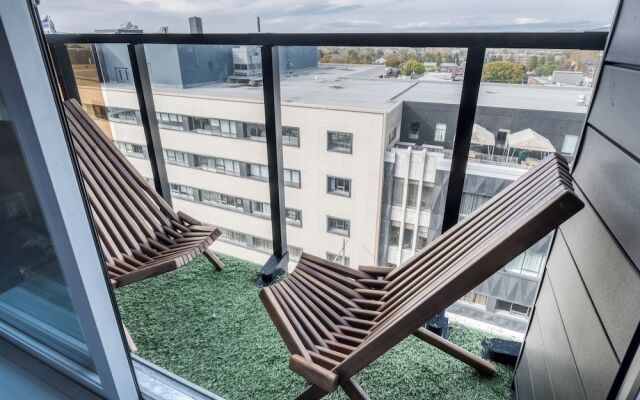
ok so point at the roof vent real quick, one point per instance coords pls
(582, 100)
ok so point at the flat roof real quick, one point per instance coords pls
(360, 87)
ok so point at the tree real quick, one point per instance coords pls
(503, 71)
(393, 60)
(412, 67)
(547, 68)
(532, 63)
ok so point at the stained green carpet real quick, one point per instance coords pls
(210, 328)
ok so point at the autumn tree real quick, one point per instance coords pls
(503, 71)
(393, 60)
(532, 63)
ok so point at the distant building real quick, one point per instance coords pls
(48, 25)
(195, 25)
(537, 80)
(125, 27)
(567, 78)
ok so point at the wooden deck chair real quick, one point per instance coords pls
(140, 235)
(336, 320)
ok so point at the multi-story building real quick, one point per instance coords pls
(366, 164)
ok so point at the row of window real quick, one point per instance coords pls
(255, 243)
(228, 166)
(233, 203)
(407, 238)
(501, 306)
(203, 125)
(426, 199)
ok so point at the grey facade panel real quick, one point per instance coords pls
(615, 109)
(540, 379)
(609, 178)
(163, 64)
(612, 280)
(297, 57)
(553, 125)
(507, 286)
(596, 361)
(523, 377)
(565, 380)
(625, 46)
(202, 64)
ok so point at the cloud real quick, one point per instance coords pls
(331, 15)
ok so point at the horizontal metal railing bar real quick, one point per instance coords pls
(525, 40)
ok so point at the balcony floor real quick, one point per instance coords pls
(210, 328)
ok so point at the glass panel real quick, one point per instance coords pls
(34, 297)
(532, 102)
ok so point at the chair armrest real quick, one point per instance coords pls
(313, 373)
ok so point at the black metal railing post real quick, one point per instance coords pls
(64, 72)
(464, 128)
(142, 81)
(271, 89)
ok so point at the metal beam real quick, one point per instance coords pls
(526, 40)
(64, 72)
(140, 74)
(273, 127)
(464, 127)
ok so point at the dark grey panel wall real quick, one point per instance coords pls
(587, 310)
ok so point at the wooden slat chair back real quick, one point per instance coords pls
(336, 320)
(139, 234)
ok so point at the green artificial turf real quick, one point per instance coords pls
(210, 328)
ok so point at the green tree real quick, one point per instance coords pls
(412, 67)
(503, 71)
(532, 63)
(547, 68)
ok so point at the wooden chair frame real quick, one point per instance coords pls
(336, 320)
(139, 233)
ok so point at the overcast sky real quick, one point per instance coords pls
(232, 16)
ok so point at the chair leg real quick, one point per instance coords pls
(353, 390)
(132, 346)
(481, 365)
(214, 260)
(313, 392)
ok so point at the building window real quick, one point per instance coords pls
(407, 239)
(414, 129)
(339, 141)
(292, 178)
(476, 299)
(293, 217)
(122, 115)
(225, 166)
(339, 186)
(99, 111)
(412, 194)
(256, 132)
(426, 201)
(440, 132)
(422, 240)
(176, 157)
(290, 136)
(234, 237)
(122, 74)
(338, 226)
(512, 308)
(200, 125)
(169, 121)
(392, 135)
(130, 149)
(501, 140)
(259, 208)
(398, 191)
(471, 201)
(394, 235)
(183, 192)
(258, 171)
(338, 259)
(569, 144)
(262, 244)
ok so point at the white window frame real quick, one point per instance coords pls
(440, 132)
(565, 143)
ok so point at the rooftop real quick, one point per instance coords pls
(359, 87)
(210, 328)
